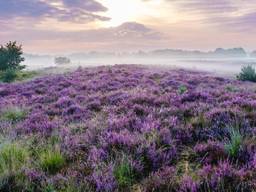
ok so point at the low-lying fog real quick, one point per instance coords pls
(219, 66)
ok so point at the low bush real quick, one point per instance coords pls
(8, 76)
(247, 73)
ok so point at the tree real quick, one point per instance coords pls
(11, 57)
(62, 60)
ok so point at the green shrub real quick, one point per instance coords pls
(247, 73)
(14, 114)
(51, 161)
(182, 89)
(124, 174)
(233, 146)
(9, 75)
(11, 57)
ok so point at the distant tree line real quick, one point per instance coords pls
(62, 60)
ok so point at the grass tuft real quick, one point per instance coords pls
(233, 146)
(51, 160)
(12, 158)
(124, 174)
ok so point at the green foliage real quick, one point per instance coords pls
(14, 114)
(12, 158)
(24, 75)
(182, 89)
(124, 174)
(233, 146)
(8, 75)
(51, 160)
(247, 73)
(11, 56)
(48, 188)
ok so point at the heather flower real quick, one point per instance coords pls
(38, 123)
(104, 179)
(161, 180)
(102, 114)
(188, 185)
(210, 152)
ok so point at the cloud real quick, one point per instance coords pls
(129, 31)
(75, 10)
(88, 5)
(130, 34)
(241, 23)
(238, 15)
(205, 7)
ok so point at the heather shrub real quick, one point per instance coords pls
(14, 114)
(247, 73)
(51, 160)
(120, 130)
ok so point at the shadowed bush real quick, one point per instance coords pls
(8, 76)
(247, 73)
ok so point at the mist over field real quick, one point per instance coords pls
(227, 66)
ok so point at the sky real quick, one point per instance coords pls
(66, 26)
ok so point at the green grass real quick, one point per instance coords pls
(26, 75)
(12, 75)
(233, 146)
(13, 114)
(51, 160)
(12, 158)
(124, 174)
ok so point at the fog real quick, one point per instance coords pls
(219, 66)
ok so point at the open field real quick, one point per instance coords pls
(128, 128)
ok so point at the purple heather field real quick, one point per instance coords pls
(129, 128)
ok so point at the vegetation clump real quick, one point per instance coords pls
(51, 160)
(14, 114)
(10, 61)
(247, 73)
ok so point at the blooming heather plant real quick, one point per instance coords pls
(172, 138)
